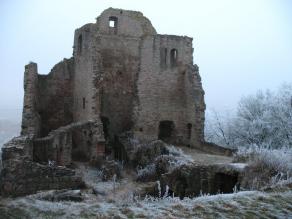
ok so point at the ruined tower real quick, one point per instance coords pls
(125, 76)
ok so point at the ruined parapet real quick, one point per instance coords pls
(82, 141)
(55, 89)
(124, 23)
(30, 116)
(25, 177)
(21, 176)
(18, 148)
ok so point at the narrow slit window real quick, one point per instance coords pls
(83, 103)
(189, 129)
(163, 57)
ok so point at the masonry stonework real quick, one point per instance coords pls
(123, 78)
(124, 75)
(136, 80)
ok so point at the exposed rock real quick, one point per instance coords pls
(164, 163)
(147, 189)
(147, 153)
(152, 172)
(96, 191)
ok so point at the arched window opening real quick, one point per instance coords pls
(79, 49)
(173, 57)
(113, 24)
(163, 57)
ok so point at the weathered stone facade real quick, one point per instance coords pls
(125, 74)
(20, 175)
(123, 78)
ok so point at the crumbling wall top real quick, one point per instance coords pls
(124, 22)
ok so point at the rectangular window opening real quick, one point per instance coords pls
(112, 23)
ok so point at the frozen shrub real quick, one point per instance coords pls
(147, 173)
(109, 169)
(266, 166)
(263, 119)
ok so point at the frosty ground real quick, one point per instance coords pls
(119, 199)
(249, 204)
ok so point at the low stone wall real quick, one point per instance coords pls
(194, 179)
(20, 175)
(18, 148)
(77, 140)
(215, 149)
(26, 177)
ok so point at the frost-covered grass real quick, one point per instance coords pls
(143, 173)
(252, 204)
(179, 154)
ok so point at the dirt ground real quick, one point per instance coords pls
(205, 158)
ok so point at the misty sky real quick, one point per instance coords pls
(240, 46)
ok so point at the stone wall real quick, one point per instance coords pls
(137, 81)
(24, 177)
(55, 98)
(170, 91)
(128, 23)
(81, 141)
(195, 179)
(21, 176)
(126, 76)
(41, 92)
(30, 117)
(86, 56)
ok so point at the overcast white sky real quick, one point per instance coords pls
(240, 46)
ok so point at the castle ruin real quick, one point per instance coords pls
(123, 78)
(123, 75)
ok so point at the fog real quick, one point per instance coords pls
(240, 46)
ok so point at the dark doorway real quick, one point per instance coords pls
(166, 130)
(224, 183)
